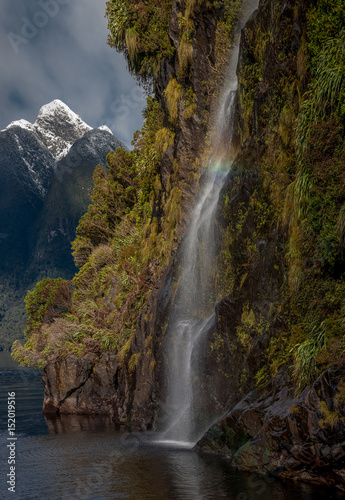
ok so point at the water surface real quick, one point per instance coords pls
(87, 458)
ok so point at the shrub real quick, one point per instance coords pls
(140, 31)
(190, 104)
(327, 91)
(49, 299)
(173, 95)
(102, 256)
(305, 369)
(164, 139)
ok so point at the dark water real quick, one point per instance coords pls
(86, 458)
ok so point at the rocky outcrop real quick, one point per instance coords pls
(126, 388)
(140, 381)
(276, 433)
(80, 386)
(203, 77)
(270, 430)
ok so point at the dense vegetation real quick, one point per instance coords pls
(118, 251)
(296, 118)
(125, 239)
(140, 30)
(316, 246)
(298, 127)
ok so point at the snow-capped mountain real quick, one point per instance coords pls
(46, 172)
(57, 127)
(36, 148)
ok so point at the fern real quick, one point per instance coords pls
(325, 90)
(305, 368)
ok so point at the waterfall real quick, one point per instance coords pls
(192, 313)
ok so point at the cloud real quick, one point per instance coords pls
(66, 58)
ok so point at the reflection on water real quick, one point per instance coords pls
(78, 423)
(107, 465)
(75, 457)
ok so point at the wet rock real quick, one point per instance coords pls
(80, 385)
(277, 433)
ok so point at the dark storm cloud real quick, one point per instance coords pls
(63, 55)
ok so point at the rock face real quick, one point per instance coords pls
(141, 390)
(79, 386)
(141, 387)
(269, 430)
(276, 433)
(107, 385)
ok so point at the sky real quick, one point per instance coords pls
(56, 49)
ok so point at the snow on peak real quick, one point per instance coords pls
(20, 123)
(59, 127)
(58, 109)
(104, 127)
(55, 105)
(56, 126)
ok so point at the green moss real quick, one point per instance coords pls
(330, 418)
(186, 52)
(172, 209)
(164, 139)
(224, 39)
(325, 20)
(133, 362)
(140, 31)
(252, 326)
(339, 399)
(173, 94)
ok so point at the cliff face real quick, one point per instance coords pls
(138, 390)
(275, 432)
(281, 420)
(273, 356)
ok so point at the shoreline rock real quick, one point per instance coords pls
(298, 438)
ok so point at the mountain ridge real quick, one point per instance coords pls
(57, 127)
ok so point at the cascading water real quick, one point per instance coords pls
(193, 308)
